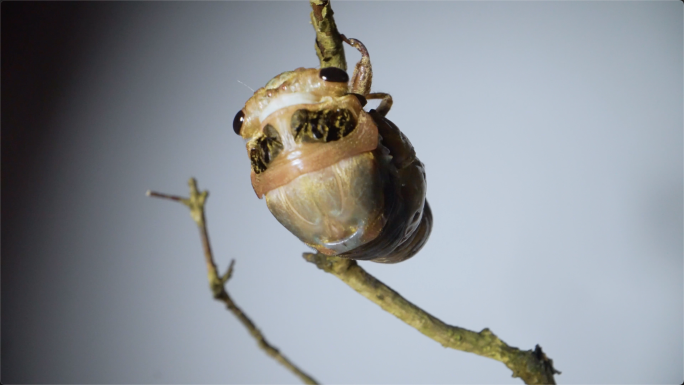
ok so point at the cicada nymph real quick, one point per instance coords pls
(345, 181)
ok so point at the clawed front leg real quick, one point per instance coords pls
(362, 78)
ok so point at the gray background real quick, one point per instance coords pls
(552, 137)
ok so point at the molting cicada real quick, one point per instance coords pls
(345, 181)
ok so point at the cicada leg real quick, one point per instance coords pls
(360, 82)
(362, 78)
(385, 102)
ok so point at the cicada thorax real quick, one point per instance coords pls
(343, 180)
(303, 138)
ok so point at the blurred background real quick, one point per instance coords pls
(552, 137)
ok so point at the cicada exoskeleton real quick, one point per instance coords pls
(345, 181)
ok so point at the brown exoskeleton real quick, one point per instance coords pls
(345, 181)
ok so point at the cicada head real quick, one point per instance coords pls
(315, 157)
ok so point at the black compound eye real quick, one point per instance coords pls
(333, 74)
(237, 121)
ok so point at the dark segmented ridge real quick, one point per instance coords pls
(324, 125)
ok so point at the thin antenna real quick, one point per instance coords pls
(246, 85)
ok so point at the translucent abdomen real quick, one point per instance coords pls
(335, 209)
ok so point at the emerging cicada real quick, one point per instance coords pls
(345, 181)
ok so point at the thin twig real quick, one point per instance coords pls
(217, 283)
(176, 198)
(532, 366)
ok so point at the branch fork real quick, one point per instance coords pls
(217, 283)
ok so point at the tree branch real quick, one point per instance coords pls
(532, 366)
(329, 48)
(217, 283)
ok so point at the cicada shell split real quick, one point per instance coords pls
(345, 181)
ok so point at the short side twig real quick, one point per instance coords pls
(217, 282)
(532, 366)
(329, 48)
